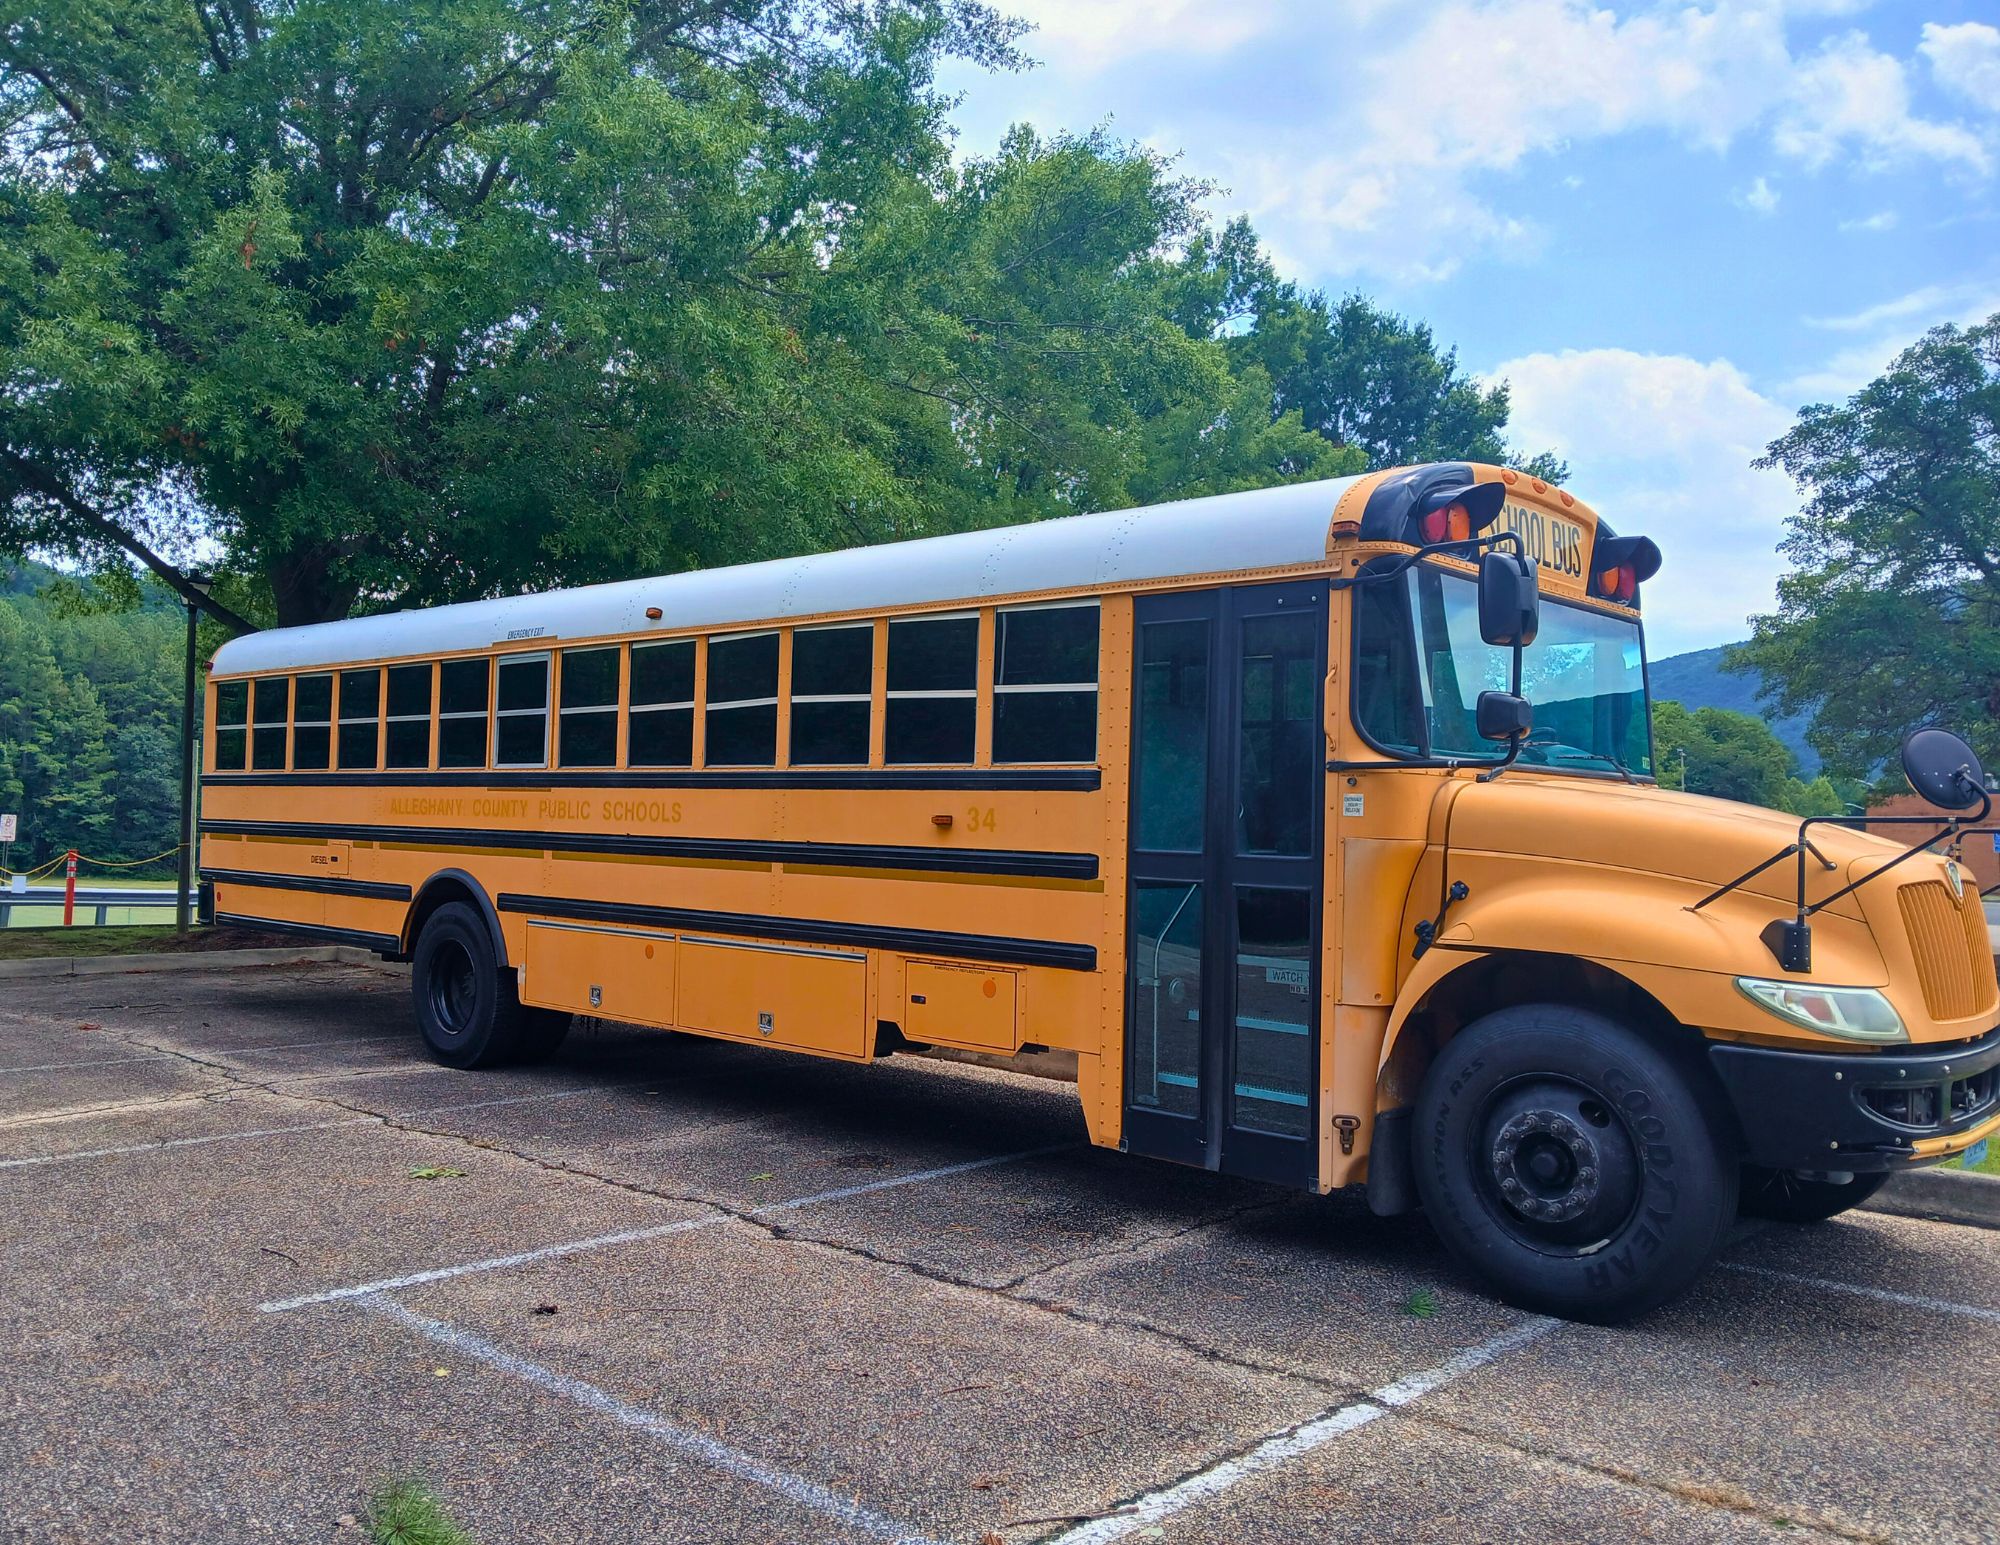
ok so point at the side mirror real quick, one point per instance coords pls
(1510, 600)
(1502, 716)
(1944, 770)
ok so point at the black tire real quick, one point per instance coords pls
(466, 1007)
(1572, 1164)
(1785, 1196)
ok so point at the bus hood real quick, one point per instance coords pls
(1707, 842)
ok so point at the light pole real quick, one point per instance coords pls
(199, 583)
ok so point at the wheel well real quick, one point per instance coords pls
(1507, 979)
(441, 889)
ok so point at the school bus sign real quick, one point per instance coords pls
(1553, 541)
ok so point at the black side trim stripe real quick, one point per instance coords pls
(802, 930)
(854, 855)
(377, 890)
(380, 943)
(1040, 778)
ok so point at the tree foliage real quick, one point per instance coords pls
(407, 301)
(89, 724)
(1731, 755)
(1890, 618)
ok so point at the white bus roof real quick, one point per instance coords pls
(1260, 529)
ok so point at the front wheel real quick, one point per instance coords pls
(1789, 1196)
(1571, 1163)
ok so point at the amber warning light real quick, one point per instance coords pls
(1460, 514)
(1621, 564)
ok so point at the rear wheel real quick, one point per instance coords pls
(1571, 1163)
(466, 1007)
(1789, 1196)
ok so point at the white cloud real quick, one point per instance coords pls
(1661, 444)
(1881, 220)
(1965, 60)
(1920, 302)
(1924, 307)
(1097, 32)
(1851, 98)
(1891, 325)
(1759, 198)
(1370, 137)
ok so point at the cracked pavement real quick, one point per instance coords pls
(663, 1288)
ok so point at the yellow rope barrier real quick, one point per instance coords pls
(82, 858)
(131, 863)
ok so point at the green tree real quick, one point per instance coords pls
(89, 730)
(408, 301)
(413, 300)
(1362, 377)
(1890, 618)
(1733, 756)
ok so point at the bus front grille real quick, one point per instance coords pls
(1948, 939)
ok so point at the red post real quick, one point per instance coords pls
(69, 890)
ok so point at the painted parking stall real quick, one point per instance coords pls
(669, 1289)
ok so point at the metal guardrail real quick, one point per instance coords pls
(102, 898)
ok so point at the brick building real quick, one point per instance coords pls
(1978, 854)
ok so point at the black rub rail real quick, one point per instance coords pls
(801, 930)
(1058, 866)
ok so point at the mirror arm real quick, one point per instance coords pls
(1954, 826)
(1513, 746)
(1471, 548)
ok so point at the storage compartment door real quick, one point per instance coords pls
(625, 974)
(776, 995)
(968, 1007)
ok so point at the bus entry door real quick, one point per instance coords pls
(1222, 985)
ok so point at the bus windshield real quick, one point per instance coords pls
(1421, 665)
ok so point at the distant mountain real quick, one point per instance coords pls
(1697, 680)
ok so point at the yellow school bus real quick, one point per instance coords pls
(1317, 821)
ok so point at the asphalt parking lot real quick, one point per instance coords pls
(257, 1253)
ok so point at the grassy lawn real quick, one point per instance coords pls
(86, 912)
(145, 939)
(1991, 1166)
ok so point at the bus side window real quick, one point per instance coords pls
(659, 731)
(521, 714)
(312, 722)
(462, 705)
(587, 725)
(833, 671)
(270, 718)
(232, 725)
(360, 742)
(933, 689)
(742, 720)
(1045, 685)
(410, 715)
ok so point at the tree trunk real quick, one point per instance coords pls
(304, 589)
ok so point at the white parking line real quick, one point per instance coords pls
(696, 1446)
(311, 1126)
(635, 1236)
(1883, 1295)
(1296, 1441)
(194, 1054)
(181, 1142)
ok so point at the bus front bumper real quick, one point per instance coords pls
(1808, 1110)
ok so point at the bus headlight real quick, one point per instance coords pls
(1852, 1013)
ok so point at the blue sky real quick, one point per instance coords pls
(1667, 226)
